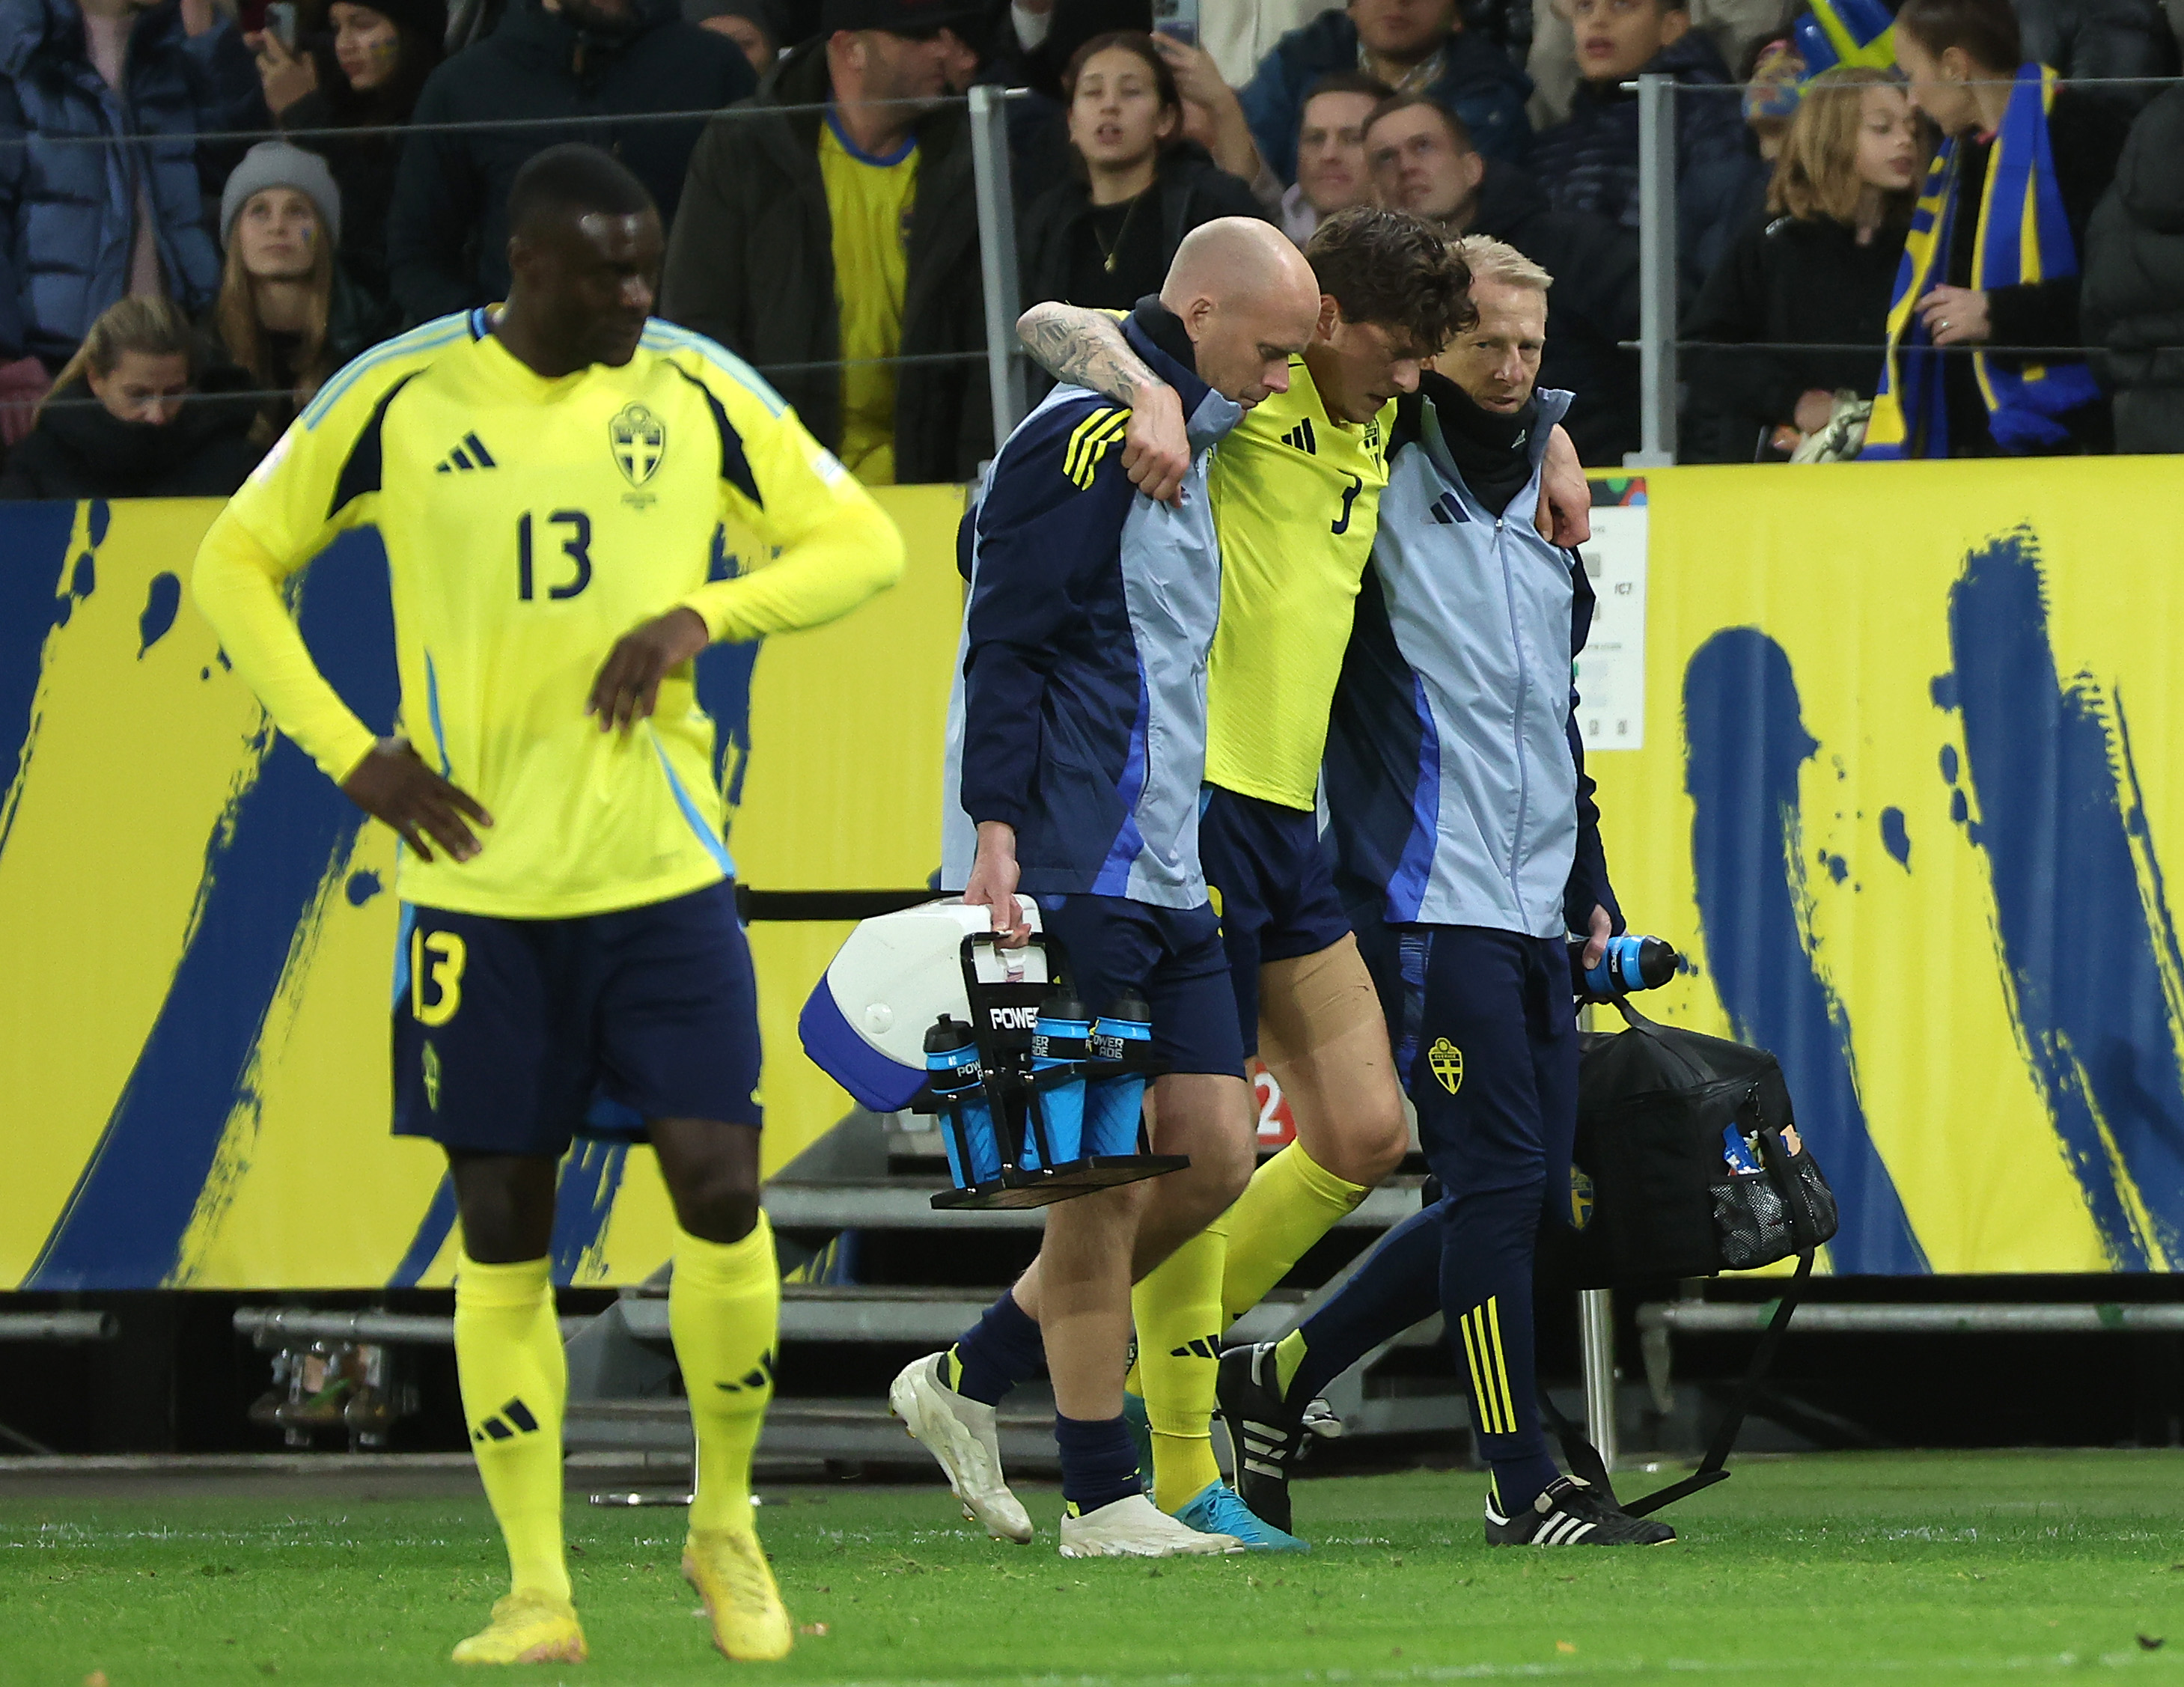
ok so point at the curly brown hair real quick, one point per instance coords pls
(1394, 271)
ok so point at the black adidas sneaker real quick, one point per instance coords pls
(1265, 1431)
(1570, 1514)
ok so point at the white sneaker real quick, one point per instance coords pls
(959, 1433)
(1135, 1528)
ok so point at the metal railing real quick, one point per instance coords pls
(986, 112)
(1660, 344)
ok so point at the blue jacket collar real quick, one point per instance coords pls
(1157, 336)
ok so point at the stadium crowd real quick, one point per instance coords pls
(208, 210)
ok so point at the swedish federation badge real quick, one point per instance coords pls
(640, 443)
(1446, 1060)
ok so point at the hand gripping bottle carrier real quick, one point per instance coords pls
(1037, 1101)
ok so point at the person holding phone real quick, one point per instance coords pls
(363, 73)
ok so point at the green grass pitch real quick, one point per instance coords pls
(1894, 1567)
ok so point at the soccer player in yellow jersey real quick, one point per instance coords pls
(548, 477)
(1296, 494)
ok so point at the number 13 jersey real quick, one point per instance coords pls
(529, 524)
(1296, 500)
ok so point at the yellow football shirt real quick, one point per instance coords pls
(869, 202)
(528, 524)
(1296, 501)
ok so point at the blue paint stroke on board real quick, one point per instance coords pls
(123, 1223)
(1896, 837)
(36, 543)
(2080, 922)
(724, 688)
(161, 601)
(1744, 742)
(591, 1176)
(431, 1236)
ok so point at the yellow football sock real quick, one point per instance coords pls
(1289, 1355)
(1177, 1309)
(514, 1382)
(724, 1309)
(1290, 1203)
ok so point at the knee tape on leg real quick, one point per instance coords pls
(1314, 1000)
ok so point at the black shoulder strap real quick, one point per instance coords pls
(1584, 1459)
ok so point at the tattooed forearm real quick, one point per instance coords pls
(1086, 348)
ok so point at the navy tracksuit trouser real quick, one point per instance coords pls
(1485, 1036)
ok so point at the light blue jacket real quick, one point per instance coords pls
(1453, 772)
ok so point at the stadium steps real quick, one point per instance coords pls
(876, 1276)
(802, 1431)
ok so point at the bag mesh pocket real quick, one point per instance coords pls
(1750, 1222)
(1812, 1193)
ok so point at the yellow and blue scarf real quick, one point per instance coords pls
(2022, 236)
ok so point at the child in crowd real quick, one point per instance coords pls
(1818, 271)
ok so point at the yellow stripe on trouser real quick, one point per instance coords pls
(1481, 1389)
(1500, 1364)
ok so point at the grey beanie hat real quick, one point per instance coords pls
(276, 164)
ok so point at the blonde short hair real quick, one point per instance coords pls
(1494, 260)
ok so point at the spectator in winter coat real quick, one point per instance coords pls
(83, 224)
(1422, 162)
(1590, 162)
(120, 421)
(2100, 38)
(2134, 294)
(447, 234)
(1414, 47)
(1816, 271)
(849, 236)
(1990, 263)
(366, 74)
(1105, 237)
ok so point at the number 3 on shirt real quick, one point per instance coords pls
(576, 545)
(1342, 522)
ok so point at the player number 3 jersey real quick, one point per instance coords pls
(1296, 500)
(530, 523)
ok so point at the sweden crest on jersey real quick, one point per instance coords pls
(640, 443)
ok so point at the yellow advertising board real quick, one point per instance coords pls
(1899, 772)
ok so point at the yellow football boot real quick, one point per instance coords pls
(729, 1568)
(526, 1628)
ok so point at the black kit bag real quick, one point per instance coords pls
(1658, 1198)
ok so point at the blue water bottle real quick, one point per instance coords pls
(1114, 1105)
(1630, 963)
(952, 1069)
(1062, 1034)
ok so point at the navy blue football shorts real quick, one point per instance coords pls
(1272, 887)
(1171, 956)
(513, 1036)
